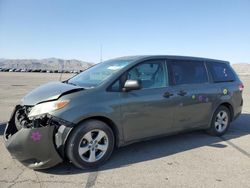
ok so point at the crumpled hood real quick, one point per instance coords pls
(50, 91)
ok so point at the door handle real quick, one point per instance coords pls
(167, 94)
(182, 93)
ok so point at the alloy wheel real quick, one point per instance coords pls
(221, 121)
(93, 145)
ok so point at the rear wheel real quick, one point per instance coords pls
(220, 121)
(90, 144)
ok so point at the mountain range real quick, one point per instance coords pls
(45, 64)
(242, 68)
(73, 64)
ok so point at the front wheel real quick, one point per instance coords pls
(220, 121)
(90, 144)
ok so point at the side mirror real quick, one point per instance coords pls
(131, 85)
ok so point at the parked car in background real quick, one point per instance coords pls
(121, 101)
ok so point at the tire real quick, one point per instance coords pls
(17, 119)
(220, 121)
(90, 144)
(17, 122)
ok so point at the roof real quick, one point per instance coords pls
(145, 57)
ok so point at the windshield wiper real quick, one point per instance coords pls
(71, 83)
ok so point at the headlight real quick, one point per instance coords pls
(46, 107)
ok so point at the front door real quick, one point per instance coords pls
(149, 111)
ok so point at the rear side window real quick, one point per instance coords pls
(188, 72)
(221, 72)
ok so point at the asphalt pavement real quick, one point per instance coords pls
(193, 159)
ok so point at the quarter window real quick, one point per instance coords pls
(115, 86)
(188, 72)
(221, 72)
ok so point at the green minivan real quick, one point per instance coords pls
(118, 102)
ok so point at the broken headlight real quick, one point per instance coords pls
(47, 107)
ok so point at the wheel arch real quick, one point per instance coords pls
(68, 155)
(227, 105)
(110, 123)
(106, 120)
(230, 107)
(211, 129)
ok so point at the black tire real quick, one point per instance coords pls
(17, 122)
(17, 119)
(214, 127)
(76, 138)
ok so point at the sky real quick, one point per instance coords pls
(78, 29)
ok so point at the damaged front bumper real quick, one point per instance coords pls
(37, 146)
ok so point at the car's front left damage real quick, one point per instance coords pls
(37, 143)
(35, 137)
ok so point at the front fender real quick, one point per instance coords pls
(76, 114)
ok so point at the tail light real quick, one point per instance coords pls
(241, 87)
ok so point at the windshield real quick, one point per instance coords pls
(97, 74)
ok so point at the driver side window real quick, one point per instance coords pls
(151, 74)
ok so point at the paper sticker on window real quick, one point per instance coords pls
(114, 67)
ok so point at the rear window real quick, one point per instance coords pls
(221, 72)
(188, 72)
